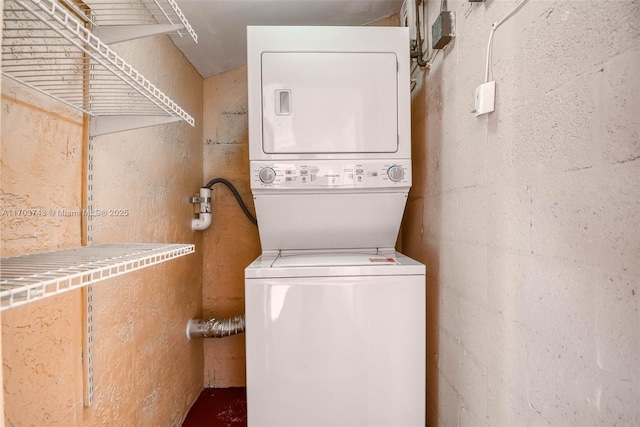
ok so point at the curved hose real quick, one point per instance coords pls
(230, 186)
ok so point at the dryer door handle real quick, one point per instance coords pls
(283, 102)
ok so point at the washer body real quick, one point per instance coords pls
(335, 339)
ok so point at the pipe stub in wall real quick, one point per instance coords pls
(215, 328)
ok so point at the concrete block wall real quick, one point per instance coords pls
(529, 218)
(146, 372)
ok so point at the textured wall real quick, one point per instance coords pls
(41, 170)
(140, 321)
(529, 218)
(1, 375)
(145, 370)
(232, 242)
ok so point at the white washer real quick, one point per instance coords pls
(335, 339)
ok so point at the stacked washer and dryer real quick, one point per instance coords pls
(335, 330)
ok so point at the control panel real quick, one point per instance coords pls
(323, 174)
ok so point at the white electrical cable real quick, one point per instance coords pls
(494, 27)
(486, 72)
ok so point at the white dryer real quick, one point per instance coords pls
(335, 318)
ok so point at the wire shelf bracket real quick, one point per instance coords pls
(46, 47)
(109, 124)
(28, 278)
(121, 33)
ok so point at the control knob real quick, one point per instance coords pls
(395, 173)
(267, 175)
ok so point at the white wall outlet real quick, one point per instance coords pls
(485, 98)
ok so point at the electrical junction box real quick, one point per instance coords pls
(442, 30)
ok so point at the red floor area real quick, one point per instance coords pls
(219, 407)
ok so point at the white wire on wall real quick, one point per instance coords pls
(494, 27)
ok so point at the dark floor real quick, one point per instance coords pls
(219, 407)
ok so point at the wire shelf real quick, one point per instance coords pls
(114, 18)
(47, 47)
(33, 277)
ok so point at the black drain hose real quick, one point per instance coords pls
(235, 192)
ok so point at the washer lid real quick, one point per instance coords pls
(336, 263)
(333, 259)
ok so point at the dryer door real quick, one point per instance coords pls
(329, 102)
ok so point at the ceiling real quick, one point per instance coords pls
(221, 24)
